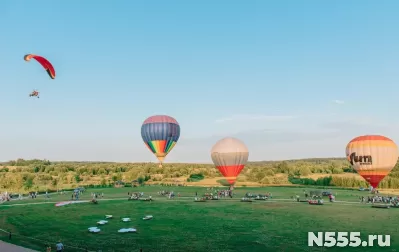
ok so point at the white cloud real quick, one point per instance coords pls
(269, 118)
(340, 102)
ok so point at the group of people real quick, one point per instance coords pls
(219, 193)
(33, 195)
(314, 198)
(170, 195)
(175, 184)
(267, 195)
(138, 196)
(76, 194)
(59, 247)
(95, 195)
(134, 195)
(214, 194)
(380, 199)
(4, 197)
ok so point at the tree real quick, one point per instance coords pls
(28, 184)
(140, 180)
(77, 178)
(283, 167)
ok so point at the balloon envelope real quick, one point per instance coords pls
(160, 133)
(230, 156)
(372, 156)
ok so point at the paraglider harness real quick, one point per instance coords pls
(34, 93)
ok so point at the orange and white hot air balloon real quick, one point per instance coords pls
(372, 156)
(230, 156)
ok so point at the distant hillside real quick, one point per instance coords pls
(25, 175)
(310, 160)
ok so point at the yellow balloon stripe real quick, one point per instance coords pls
(227, 178)
(375, 172)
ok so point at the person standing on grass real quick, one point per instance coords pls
(59, 246)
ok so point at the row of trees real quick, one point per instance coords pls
(29, 174)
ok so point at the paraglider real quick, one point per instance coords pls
(372, 156)
(160, 134)
(45, 64)
(230, 156)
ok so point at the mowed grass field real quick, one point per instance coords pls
(180, 224)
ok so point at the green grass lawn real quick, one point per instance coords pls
(183, 225)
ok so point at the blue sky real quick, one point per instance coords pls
(267, 72)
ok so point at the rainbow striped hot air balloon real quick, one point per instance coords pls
(230, 156)
(372, 156)
(160, 133)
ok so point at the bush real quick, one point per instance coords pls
(325, 181)
(269, 172)
(195, 177)
(266, 181)
(4, 169)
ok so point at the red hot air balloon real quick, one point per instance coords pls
(230, 156)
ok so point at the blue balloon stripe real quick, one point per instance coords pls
(160, 131)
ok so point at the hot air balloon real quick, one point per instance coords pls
(160, 133)
(44, 62)
(230, 156)
(372, 156)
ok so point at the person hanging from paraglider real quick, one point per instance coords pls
(34, 93)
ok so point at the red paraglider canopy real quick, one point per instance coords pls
(44, 62)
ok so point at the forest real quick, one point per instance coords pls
(27, 175)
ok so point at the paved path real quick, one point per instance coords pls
(7, 247)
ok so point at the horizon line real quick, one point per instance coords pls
(154, 162)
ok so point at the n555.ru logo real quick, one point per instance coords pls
(344, 239)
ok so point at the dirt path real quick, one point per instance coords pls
(7, 247)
